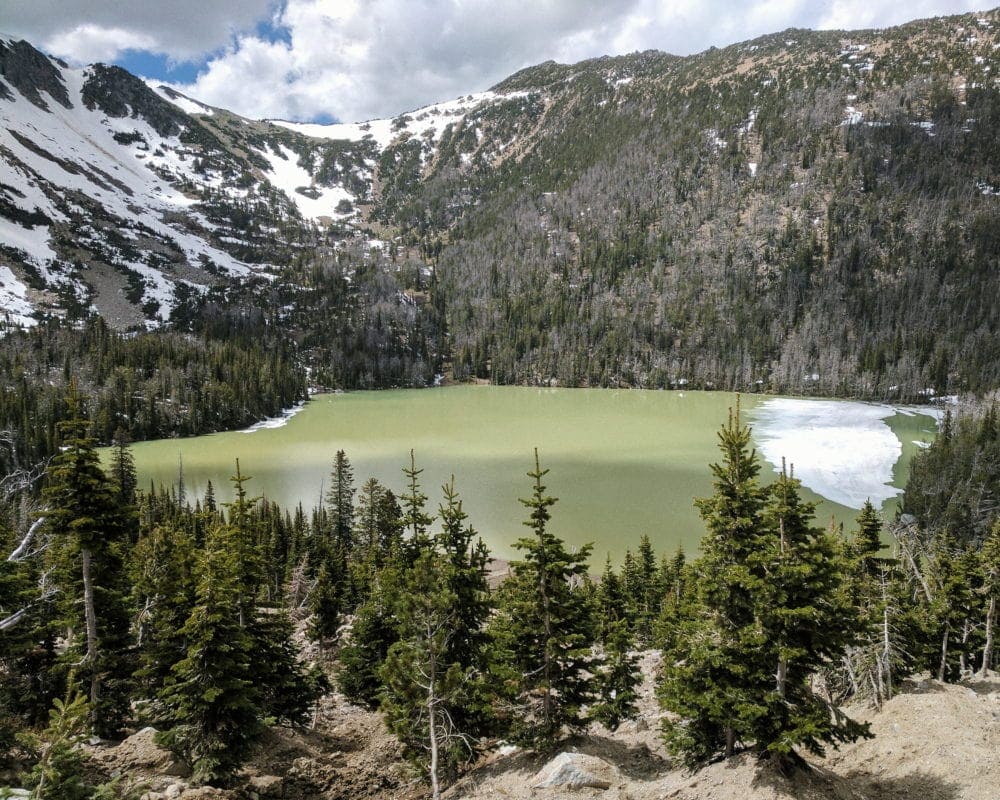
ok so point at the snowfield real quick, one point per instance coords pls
(843, 451)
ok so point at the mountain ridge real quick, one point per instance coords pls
(710, 184)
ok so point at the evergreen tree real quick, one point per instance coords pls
(545, 629)
(611, 603)
(616, 685)
(712, 674)
(772, 610)
(808, 620)
(213, 703)
(340, 503)
(287, 693)
(123, 473)
(58, 773)
(164, 580)
(88, 532)
(415, 520)
(425, 691)
(244, 540)
(326, 601)
(372, 634)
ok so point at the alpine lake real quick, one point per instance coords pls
(622, 462)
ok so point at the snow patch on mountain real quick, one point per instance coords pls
(14, 304)
(295, 181)
(431, 120)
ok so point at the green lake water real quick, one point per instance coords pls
(622, 463)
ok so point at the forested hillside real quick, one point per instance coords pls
(810, 211)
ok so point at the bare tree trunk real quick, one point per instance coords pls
(782, 677)
(963, 660)
(991, 621)
(730, 742)
(90, 617)
(943, 668)
(886, 665)
(22, 548)
(435, 787)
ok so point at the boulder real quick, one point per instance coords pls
(576, 771)
(139, 753)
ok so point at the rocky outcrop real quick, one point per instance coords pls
(31, 73)
(121, 94)
(576, 771)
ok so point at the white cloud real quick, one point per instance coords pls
(86, 44)
(358, 59)
(184, 29)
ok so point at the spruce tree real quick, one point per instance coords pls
(372, 634)
(340, 503)
(617, 682)
(213, 703)
(545, 630)
(772, 609)
(808, 621)
(426, 692)
(88, 531)
(164, 580)
(713, 672)
(415, 520)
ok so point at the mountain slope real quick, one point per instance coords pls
(809, 211)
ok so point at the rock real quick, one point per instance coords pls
(140, 753)
(576, 771)
(12, 793)
(266, 785)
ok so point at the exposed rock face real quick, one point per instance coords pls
(576, 771)
(120, 94)
(140, 753)
(31, 72)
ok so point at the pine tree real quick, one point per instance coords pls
(773, 608)
(808, 620)
(545, 629)
(123, 473)
(340, 503)
(611, 602)
(58, 774)
(646, 600)
(372, 634)
(213, 703)
(244, 540)
(88, 532)
(286, 691)
(164, 580)
(415, 520)
(425, 694)
(326, 601)
(712, 674)
(616, 685)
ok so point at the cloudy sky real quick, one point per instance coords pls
(358, 59)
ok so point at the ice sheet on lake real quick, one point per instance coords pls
(276, 422)
(841, 450)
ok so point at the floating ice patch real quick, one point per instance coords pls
(276, 422)
(841, 450)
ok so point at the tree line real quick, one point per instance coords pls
(121, 608)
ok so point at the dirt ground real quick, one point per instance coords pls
(932, 742)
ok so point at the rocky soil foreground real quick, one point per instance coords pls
(932, 742)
